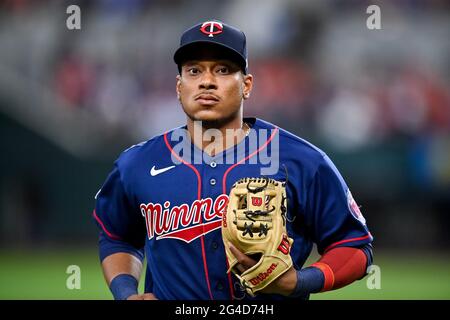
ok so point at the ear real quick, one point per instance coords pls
(178, 85)
(247, 85)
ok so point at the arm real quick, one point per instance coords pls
(121, 263)
(336, 268)
(336, 224)
(122, 267)
(122, 238)
(342, 266)
(122, 272)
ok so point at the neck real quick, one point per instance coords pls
(214, 137)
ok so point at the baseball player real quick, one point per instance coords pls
(165, 198)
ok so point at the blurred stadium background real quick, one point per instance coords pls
(377, 101)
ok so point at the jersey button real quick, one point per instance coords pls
(219, 286)
(213, 164)
(212, 182)
(215, 245)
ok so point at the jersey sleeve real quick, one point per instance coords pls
(107, 247)
(334, 218)
(116, 217)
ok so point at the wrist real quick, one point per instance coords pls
(287, 282)
(309, 280)
(123, 286)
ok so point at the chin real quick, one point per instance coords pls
(214, 121)
(207, 116)
(211, 116)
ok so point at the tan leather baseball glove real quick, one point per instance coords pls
(255, 223)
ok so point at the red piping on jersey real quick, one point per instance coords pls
(199, 196)
(199, 179)
(224, 180)
(112, 236)
(347, 240)
(224, 190)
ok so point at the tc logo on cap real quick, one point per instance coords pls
(211, 28)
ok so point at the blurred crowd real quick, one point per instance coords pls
(317, 68)
(319, 71)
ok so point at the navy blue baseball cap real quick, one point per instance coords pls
(229, 40)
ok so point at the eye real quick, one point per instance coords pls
(223, 70)
(193, 71)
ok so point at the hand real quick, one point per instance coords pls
(284, 285)
(145, 296)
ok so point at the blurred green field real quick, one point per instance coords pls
(41, 274)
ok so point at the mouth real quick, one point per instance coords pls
(207, 99)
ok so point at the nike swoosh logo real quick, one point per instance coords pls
(155, 172)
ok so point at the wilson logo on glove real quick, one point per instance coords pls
(263, 275)
(256, 201)
(224, 219)
(284, 246)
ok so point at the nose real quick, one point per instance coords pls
(208, 81)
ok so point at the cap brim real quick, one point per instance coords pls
(185, 53)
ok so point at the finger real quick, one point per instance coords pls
(243, 259)
(135, 297)
(240, 268)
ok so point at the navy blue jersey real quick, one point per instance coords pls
(167, 197)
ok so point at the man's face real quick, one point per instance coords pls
(212, 90)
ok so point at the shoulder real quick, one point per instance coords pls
(148, 150)
(295, 148)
